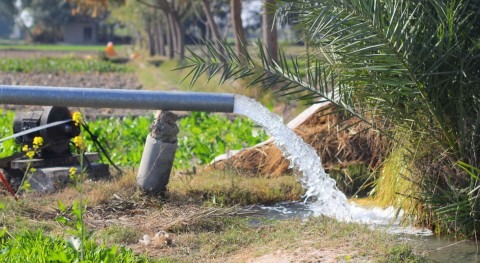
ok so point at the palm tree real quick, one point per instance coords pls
(413, 63)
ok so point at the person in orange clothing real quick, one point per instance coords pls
(110, 51)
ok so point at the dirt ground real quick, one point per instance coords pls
(86, 80)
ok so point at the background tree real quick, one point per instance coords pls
(48, 17)
(216, 38)
(269, 29)
(8, 13)
(238, 31)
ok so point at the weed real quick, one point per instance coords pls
(402, 253)
(118, 234)
(221, 188)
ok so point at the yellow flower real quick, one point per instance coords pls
(32, 170)
(30, 154)
(26, 186)
(77, 118)
(72, 171)
(37, 141)
(25, 148)
(79, 143)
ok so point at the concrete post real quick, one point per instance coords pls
(158, 154)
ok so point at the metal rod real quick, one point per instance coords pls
(116, 98)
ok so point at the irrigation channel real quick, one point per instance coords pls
(323, 198)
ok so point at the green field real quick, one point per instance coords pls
(44, 47)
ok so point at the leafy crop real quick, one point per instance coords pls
(123, 138)
(7, 147)
(59, 65)
(36, 247)
(205, 136)
(202, 137)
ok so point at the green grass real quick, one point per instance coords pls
(46, 47)
(118, 234)
(227, 187)
(236, 240)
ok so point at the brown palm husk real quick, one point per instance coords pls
(340, 141)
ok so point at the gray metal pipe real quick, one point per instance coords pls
(116, 98)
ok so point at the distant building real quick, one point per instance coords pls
(81, 32)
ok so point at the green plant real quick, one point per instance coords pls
(75, 218)
(123, 138)
(36, 247)
(204, 136)
(8, 147)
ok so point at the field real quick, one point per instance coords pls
(202, 217)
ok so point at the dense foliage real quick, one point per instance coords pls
(202, 137)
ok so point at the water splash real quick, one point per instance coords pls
(321, 190)
(322, 195)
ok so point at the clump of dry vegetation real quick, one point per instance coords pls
(350, 151)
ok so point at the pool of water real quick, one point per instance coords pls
(442, 249)
(437, 249)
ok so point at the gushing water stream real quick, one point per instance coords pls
(321, 192)
(327, 199)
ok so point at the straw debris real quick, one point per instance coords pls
(340, 140)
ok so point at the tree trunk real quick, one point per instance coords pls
(172, 40)
(160, 38)
(270, 29)
(240, 40)
(179, 36)
(151, 38)
(212, 25)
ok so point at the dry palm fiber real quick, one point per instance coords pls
(339, 140)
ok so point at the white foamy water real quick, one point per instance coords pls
(320, 188)
(321, 192)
